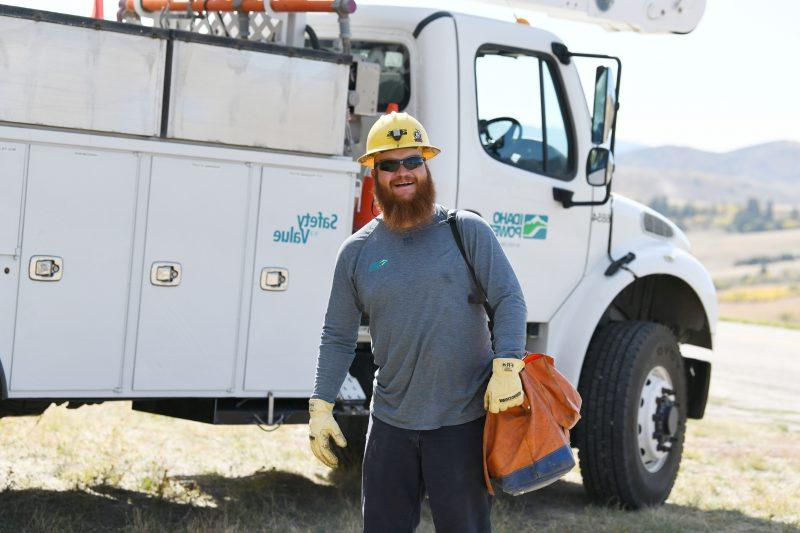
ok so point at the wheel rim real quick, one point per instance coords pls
(658, 418)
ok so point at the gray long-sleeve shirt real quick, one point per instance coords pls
(432, 346)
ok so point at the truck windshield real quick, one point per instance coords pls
(395, 82)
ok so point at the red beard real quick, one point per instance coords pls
(404, 214)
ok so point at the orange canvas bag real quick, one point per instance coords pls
(527, 447)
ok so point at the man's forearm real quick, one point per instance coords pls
(509, 325)
(332, 366)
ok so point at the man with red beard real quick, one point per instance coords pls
(438, 371)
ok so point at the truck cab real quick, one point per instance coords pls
(520, 147)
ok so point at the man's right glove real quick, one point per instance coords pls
(505, 386)
(321, 427)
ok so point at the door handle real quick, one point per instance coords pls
(565, 197)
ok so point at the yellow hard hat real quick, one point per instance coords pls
(396, 130)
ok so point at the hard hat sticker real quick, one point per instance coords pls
(417, 136)
(397, 134)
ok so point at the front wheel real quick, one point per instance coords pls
(630, 437)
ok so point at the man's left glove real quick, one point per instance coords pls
(505, 386)
(321, 427)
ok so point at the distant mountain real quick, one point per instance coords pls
(765, 171)
(624, 147)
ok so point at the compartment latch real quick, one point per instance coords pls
(274, 279)
(165, 274)
(45, 268)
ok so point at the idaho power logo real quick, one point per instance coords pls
(300, 233)
(519, 225)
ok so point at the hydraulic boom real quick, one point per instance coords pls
(645, 16)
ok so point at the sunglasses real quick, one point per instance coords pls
(391, 165)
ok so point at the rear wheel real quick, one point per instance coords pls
(630, 436)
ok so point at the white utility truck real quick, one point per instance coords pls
(174, 189)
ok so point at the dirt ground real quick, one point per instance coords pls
(106, 468)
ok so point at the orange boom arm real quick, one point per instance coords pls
(308, 5)
(247, 5)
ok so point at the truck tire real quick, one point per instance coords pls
(630, 436)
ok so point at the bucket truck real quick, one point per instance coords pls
(174, 188)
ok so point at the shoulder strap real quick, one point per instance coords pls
(481, 298)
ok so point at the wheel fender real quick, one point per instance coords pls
(568, 343)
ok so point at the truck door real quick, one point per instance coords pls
(518, 140)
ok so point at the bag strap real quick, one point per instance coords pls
(481, 298)
(486, 428)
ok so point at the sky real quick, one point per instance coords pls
(733, 82)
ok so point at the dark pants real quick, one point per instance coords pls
(401, 465)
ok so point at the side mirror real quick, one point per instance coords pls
(604, 105)
(599, 167)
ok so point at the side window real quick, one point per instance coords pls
(521, 119)
(395, 82)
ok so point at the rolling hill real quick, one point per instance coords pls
(765, 171)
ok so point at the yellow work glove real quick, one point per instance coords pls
(505, 386)
(322, 427)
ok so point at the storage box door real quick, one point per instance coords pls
(268, 100)
(78, 77)
(76, 253)
(192, 279)
(304, 218)
(13, 160)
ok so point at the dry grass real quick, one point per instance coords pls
(105, 468)
(770, 304)
(760, 293)
(783, 312)
(719, 250)
(751, 293)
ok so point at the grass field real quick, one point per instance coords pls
(752, 293)
(719, 250)
(106, 468)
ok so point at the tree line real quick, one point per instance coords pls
(749, 217)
